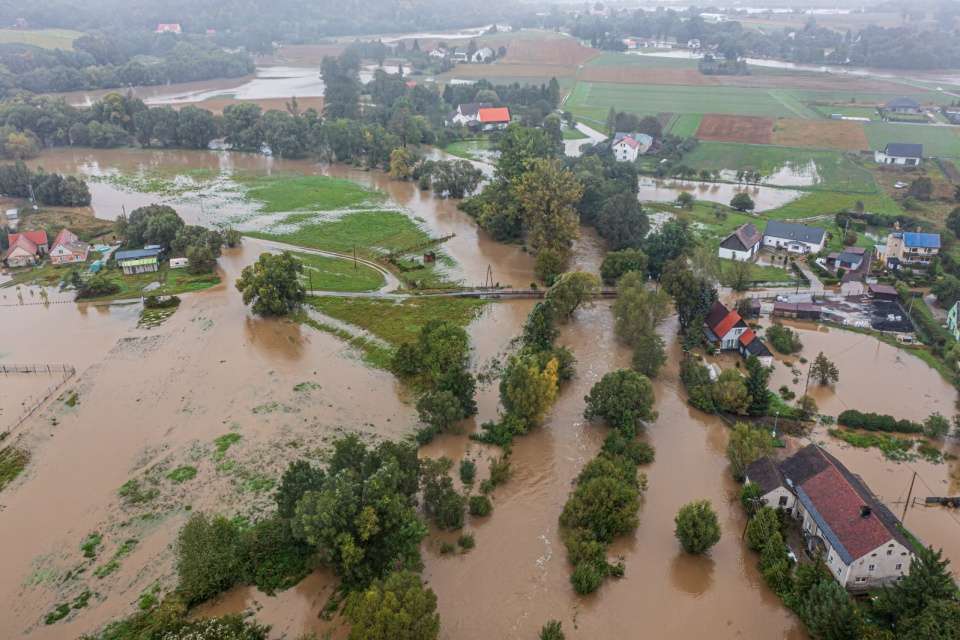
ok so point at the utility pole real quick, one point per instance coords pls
(909, 493)
(355, 266)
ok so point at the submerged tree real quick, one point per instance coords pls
(697, 527)
(823, 370)
(273, 284)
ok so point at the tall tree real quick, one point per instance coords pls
(758, 377)
(548, 194)
(747, 444)
(397, 608)
(829, 613)
(273, 284)
(823, 370)
(571, 291)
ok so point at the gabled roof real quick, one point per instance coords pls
(494, 114)
(716, 314)
(634, 140)
(921, 240)
(743, 238)
(136, 254)
(904, 150)
(747, 337)
(472, 108)
(765, 474)
(38, 238)
(65, 237)
(795, 232)
(732, 320)
(21, 242)
(758, 348)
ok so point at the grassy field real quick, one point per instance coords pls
(830, 202)
(936, 141)
(393, 322)
(684, 125)
(470, 149)
(79, 220)
(281, 193)
(172, 281)
(43, 38)
(332, 274)
(574, 134)
(836, 171)
(827, 110)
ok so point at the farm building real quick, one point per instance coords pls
(727, 331)
(68, 248)
(797, 310)
(841, 520)
(628, 146)
(900, 154)
(795, 238)
(883, 292)
(468, 113)
(493, 118)
(742, 244)
(134, 261)
(903, 106)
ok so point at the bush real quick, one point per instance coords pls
(499, 470)
(877, 422)
(466, 541)
(587, 578)
(551, 631)
(440, 499)
(468, 471)
(697, 527)
(616, 444)
(480, 506)
(273, 559)
(761, 528)
(784, 339)
(208, 557)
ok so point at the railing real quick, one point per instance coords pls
(65, 371)
(37, 368)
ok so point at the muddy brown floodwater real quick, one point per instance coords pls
(153, 400)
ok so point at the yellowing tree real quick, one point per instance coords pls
(548, 195)
(527, 391)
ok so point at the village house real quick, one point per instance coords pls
(903, 106)
(841, 520)
(628, 146)
(797, 310)
(25, 249)
(67, 248)
(910, 249)
(727, 331)
(743, 244)
(439, 52)
(146, 260)
(169, 27)
(491, 118)
(483, 55)
(900, 154)
(468, 113)
(794, 238)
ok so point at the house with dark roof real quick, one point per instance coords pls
(726, 330)
(903, 106)
(911, 249)
(794, 238)
(468, 112)
(628, 146)
(743, 244)
(842, 521)
(900, 154)
(750, 345)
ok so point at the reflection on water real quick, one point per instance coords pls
(766, 198)
(692, 574)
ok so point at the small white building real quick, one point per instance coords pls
(179, 263)
(900, 154)
(858, 537)
(627, 147)
(483, 55)
(743, 244)
(794, 238)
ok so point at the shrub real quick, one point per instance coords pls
(208, 557)
(697, 527)
(616, 444)
(273, 559)
(551, 631)
(480, 506)
(466, 541)
(784, 339)
(761, 528)
(750, 497)
(468, 471)
(587, 578)
(877, 422)
(440, 499)
(499, 470)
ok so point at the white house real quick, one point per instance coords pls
(438, 53)
(857, 536)
(901, 154)
(628, 146)
(724, 327)
(468, 113)
(743, 244)
(483, 54)
(795, 238)
(67, 248)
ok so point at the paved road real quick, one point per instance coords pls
(392, 283)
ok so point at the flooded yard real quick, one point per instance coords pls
(765, 197)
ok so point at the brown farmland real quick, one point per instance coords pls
(824, 134)
(548, 51)
(748, 129)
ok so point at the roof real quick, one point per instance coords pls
(904, 150)
(634, 140)
(883, 289)
(923, 240)
(834, 498)
(65, 237)
(903, 103)
(472, 108)
(24, 243)
(494, 114)
(795, 232)
(140, 262)
(851, 257)
(136, 254)
(38, 238)
(765, 474)
(717, 313)
(746, 236)
(733, 319)
(797, 307)
(758, 348)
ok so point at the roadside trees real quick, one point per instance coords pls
(272, 284)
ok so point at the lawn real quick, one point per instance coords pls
(936, 141)
(475, 149)
(574, 134)
(830, 202)
(837, 172)
(280, 193)
(322, 273)
(43, 38)
(172, 282)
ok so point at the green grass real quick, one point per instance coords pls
(574, 134)
(322, 273)
(936, 141)
(371, 232)
(470, 149)
(172, 281)
(828, 110)
(831, 202)
(182, 474)
(282, 193)
(113, 564)
(90, 544)
(43, 38)
(685, 125)
(223, 444)
(12, 463)
(893, 448)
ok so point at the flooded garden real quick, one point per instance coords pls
(235, 398)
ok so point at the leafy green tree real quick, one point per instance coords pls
(638, 310)
(397, 608)
(761, 528)
(750, 495)
(758, 377)
(153, 224)
(208, 556)
(947, 290)
(439, 409)
(552, 630)
(921, 189)
(549, 264)
(747, 444)
(440, 500)
(539, 330)
(342, 87)
(570, 292)
(953, 221)
(686, 200)
(649, 355)
(480, 506)
(622, 222)
(241, 126)
(697, 527)
(300, 477)
(730, 393)
(196, 128)
(692, 295)
(273, 284)
(829, 613)
(742, 202)
(673, 240)
(784, 339)
(605, 506)
(775, 565)
(548, 194)
(936, 426)
(273, 559)
(617, 263)
(623, 399)
(527, 390)
(823, 370)
(939, 621)
(520, 147)
(929, 581)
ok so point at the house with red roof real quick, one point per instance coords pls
(25, 249)
(728, 331)
(859, 538)
(493, 117)
(169, 27)
(67, 248)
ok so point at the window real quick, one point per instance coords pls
(783, 501)
(873, 555)
(899, 566)
(861, 579)
(871, 567)
(889, 552)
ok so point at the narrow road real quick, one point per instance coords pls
(392, 282)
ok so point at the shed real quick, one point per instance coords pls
(140, 265)
(179, 263)
(800, 311)
(883, 292)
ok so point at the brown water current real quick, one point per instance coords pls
(153, 400)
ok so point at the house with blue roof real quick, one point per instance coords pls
(912, 250)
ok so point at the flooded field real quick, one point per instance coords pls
(149, 401)
(766, 198)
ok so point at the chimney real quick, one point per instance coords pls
(865, 511)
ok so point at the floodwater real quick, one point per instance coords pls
(153, 400)
(765, 198)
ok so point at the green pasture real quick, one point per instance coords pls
(941, 141)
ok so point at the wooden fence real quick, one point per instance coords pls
(67, 369)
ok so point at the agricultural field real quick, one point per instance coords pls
(827, 110)
(282, 193)
(322, 273)
(937, 141)
(684, 125)
(43, 38)
(746, 129)
(827, 134)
